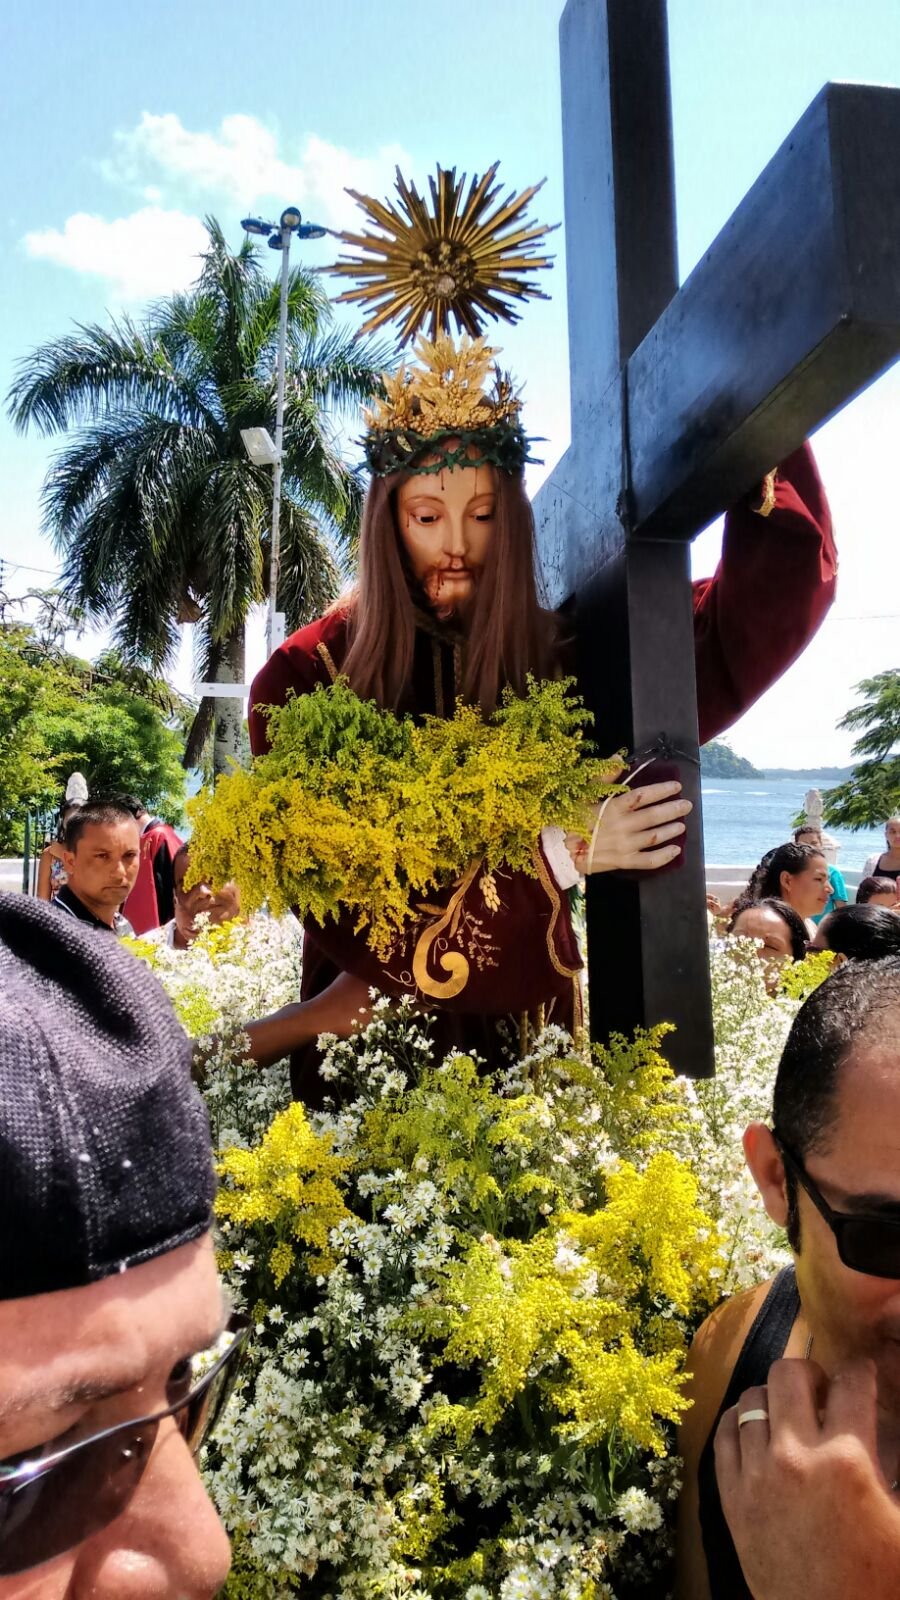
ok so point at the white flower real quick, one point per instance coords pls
(567, 1258)
(637, 1511)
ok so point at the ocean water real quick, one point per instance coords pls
(745, 817)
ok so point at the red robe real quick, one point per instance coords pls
(151, 901)
(771, 591)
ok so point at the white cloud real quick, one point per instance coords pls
(238, 168)
(151, 252)
(241, 162)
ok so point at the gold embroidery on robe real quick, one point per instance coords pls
(450, 961)
(767, 499)
(323, 651)
(552, 893)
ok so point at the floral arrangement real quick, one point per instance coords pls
(473, 1297)
(356, 807)
(751, 1027)
(231, 973)
(472, 1294)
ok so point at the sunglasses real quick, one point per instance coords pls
(869, 1244)
(51, 1503)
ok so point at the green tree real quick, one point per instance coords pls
(718, 760)
(159, 515)
(872, 792)
(59, 714)
(122, 745)
(28, 688)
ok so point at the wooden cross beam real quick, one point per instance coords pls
(682, 399)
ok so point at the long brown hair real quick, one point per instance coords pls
(510, 634)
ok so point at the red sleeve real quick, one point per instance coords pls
(310, 656)
(461, 953)
(770, 592)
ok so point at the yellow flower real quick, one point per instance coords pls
(287, 1187)
(357, 808)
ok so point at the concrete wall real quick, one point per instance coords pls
(10, 874)
(726, 883)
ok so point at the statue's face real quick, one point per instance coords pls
(446, 521)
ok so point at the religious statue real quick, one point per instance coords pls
(446, 607)
(813, 809)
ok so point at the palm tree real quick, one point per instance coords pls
(159, 516)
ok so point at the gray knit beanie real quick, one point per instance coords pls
(105, 1157)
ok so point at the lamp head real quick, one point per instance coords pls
(256, 225)
(290, 217)
(260, 446)
(311, 230)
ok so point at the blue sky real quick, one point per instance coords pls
(124, 125)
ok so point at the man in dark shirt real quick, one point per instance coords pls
(101, 855)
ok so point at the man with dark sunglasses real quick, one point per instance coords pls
(828, 1171)
(115, 1349)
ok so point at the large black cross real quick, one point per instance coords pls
(682, 399)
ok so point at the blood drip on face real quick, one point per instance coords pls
(449, 587)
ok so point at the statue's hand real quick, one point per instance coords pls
(634, 832)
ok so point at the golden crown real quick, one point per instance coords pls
(461, 260)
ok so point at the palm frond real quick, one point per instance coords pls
(234, 513)
(318, 473)
(340, 371)
(158, 514)
(309, 579)
(309, 312)
(93, 372)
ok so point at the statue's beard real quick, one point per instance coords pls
(450, 590)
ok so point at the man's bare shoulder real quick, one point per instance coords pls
(713, 1354)
(727, 1327)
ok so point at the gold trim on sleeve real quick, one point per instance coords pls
(767, 503)
(323, 651)
(552, 893)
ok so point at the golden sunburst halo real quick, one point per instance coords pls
(460, 259)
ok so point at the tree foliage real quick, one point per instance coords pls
(718, 760)
(121, 744)
(27, 690)
(59, 714)
(872, 792)
(159, 515)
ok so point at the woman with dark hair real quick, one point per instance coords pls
(779, 928)
(859, 933)
(795, 873)
(447, 607)
(874, 891)
(887, 864)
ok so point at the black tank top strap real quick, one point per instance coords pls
(886, 872)
(765, 1343)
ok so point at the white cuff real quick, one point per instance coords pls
(559, 858)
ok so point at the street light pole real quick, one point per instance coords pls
(274, 628)
(278, 235)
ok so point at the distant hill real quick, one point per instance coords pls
(718, 760)
(822, 774)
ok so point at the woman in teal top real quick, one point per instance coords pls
(838, 896)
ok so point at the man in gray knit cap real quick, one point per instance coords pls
(108, 1286)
